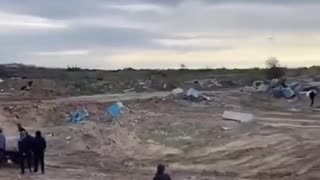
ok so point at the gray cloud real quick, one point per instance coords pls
(124, 25)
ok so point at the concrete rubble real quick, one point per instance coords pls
(237, 116)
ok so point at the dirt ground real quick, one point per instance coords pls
(191, 139)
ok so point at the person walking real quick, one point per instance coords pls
(161, 175)
(39, 147)
(2, 148)
(312, 95)
(25, 147)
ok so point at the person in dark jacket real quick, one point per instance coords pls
(160, 175)
(25, 145)
(39, 147)
(312, 96)
(2, 147)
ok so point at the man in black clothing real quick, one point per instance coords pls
(39, 147)
(312, 96)
(160, 175)
(2, 147)
(25, 150)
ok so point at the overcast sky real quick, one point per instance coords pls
(111, 34)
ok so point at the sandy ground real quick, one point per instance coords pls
(190, 138)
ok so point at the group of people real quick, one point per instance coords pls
(30, 149)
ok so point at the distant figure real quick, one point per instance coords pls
(39, 147)
(20, 128)
(160, 175)
(312, 96)
(25, 150)
(2, 147)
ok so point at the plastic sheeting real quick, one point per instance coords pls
(115, 110)
(281, 92)
(288, 93)
(79, 116)
(193, 93)
(277, 92)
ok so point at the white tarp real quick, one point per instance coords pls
(193, 93)
(237, 116)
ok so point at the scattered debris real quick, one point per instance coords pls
(1, 81)
(177, 91)
(288, 93)
(68, 138)
(79, 116)
(263, 88)
(208, 83)
(256, 84)
(237, 116)
(114, 110)
(192, 94)
(129, 90)
(249, 89)
(27, 87)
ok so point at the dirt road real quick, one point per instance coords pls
(190, 138)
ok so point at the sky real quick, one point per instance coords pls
(113, 34)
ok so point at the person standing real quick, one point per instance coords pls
(39, 147)
(2, 147)
(25, 145)
(160, 175)
(312, 95)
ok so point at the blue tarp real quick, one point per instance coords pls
(277, 92)
(114, 110)
(287, 93)
(281, 92)
(79, 116)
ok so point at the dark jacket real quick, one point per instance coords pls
(39, 144)
(2, 142)
(25, 145)
(163, 176)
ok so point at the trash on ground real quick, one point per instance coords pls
(208, 83)
(249, 89)
(177, 91)
(256, 84)
(193, 95)
(79, 116)
(27, 87)
(263, 88)
(114, 110)
(237, 116)
(288, 93)
(68, 138)
(128, 90)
